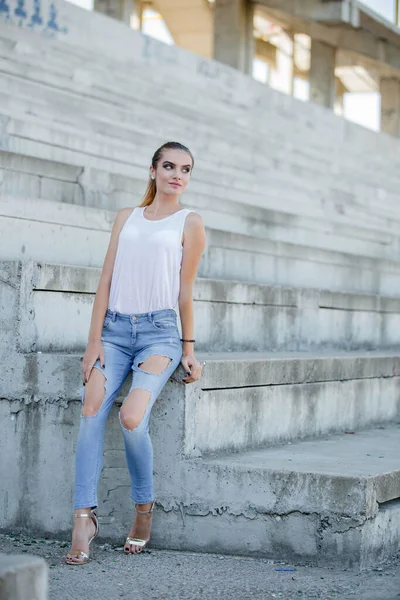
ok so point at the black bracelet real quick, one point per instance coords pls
(187, 340)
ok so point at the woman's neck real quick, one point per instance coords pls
(163, 207)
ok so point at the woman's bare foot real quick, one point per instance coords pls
(84, 530)
(141, 528)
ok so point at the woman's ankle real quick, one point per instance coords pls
(82, 511)
(144, 508)
(82, 523)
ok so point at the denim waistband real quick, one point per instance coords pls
(127, 317)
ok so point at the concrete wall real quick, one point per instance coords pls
(253, 245)
(197, 499)
(230, 316)
(240, 402)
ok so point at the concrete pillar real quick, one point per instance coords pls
(122, 10)
(390, 106)
(23, 577)
(233, 33)
(322, 74)
(341, 90)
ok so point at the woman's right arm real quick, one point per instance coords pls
(94, 349)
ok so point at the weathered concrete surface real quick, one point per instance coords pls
(233, 34)
(237, 249)
(245, 402)
(276, 318)
(23, 577)
(217, 80)
(342, 199)
(170, 575)
(232, 419)
(219, 112)
(316, 202)
(346, 207)
(373, 240)
(257, 509)
(242, 402)
(390, 106)
(288, 504)
(322, 74)
(200, 497)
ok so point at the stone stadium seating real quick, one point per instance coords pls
(288, 446)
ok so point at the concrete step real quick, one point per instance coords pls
(235, 257)
(284, 150)
(277, 319)
(324, 501)
(108, 68)
(229, 256)
(348, 169)
(338, 202)
(310, 120)
(262, 399)
(334, 500)
(70, 209)
(351, 169)
(288, 216)
(247, 502)
(383, 245)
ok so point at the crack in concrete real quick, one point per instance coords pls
(9, 283)
(296, 383)
(325, 521)
(121, 485)
(27, 399)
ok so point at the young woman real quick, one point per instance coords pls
(150, 266)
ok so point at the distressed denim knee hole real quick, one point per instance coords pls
(129, 416)
(140, 365)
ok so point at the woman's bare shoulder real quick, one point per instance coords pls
(120, 219)
(194, 218)
(124, 213)
(194, 230)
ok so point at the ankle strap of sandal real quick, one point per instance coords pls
(145, 512)
(83, 515)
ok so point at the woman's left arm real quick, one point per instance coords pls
(194, 242)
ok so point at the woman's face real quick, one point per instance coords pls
(172, 172)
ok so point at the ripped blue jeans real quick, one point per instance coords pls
(128, 340)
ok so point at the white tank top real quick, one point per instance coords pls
(146, 273)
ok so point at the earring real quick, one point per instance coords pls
(152, 177)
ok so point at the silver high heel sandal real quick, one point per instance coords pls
(78, 553)
(136, 541)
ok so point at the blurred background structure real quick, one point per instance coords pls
(341, 54)
(288, 447)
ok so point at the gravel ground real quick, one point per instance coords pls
(168, 575)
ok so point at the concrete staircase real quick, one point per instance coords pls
(297, 300)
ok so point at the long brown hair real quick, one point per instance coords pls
(151, 189)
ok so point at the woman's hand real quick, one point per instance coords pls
(192, 367)
(94, 350)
